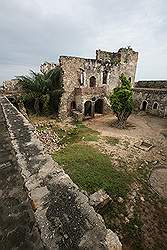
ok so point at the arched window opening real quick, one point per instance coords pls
(73, 105)
(87, 108)
(99, 105)
(81, 77)
(144, 106)
(92, 81)
(105, 74)
(155, 105)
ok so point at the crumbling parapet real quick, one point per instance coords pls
(46, 66)
(11, 87)
(63, 214)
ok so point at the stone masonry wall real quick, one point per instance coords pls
(11, 87)
(62, 213)
(151, 84)
(18, 227)
(124, 61)
(46, 66)
(71, 73)
(151, 96)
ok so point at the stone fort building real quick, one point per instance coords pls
(88, 82)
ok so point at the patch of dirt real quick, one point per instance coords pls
(143, 129)
(137, 126)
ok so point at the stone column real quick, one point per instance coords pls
(93, 110)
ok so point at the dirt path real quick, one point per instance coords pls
(138, 126)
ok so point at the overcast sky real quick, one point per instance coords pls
(34, 31)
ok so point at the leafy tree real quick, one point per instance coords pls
(43, 90)
(122, 102)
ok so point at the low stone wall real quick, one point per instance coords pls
(63, 214)
(151, 84)
(18, 227)
(151, 96)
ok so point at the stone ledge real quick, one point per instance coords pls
(63, 214)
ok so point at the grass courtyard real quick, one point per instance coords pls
(91, 170)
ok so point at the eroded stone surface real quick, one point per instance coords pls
(99, 199)
(158, 180)
(63, 214)
(18, 228)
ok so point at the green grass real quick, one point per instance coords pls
(92, 170)
(90, 137)
(112, 140)
(85, 133)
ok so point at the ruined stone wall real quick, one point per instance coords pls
(46, 66)
(107, 56)
(11, 87)
(63, 215)
(72, 67)
(151, 84)
(124, 61)
(114, 64)
(71, 75)
(151, 96)
(18, 227)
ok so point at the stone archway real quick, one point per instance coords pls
(88, 108)
(99, 106)
(144, 105)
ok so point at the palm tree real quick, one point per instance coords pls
(43, 89)
(55, 87)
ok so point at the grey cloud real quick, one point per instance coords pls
(34, 31)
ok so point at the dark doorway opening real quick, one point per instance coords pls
(99, 105)
(88, 108)
(92, 81)
(144, 106)
(73, 105)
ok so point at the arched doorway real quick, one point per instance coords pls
(87, 108)
(92, 81)
(99, 105)
(144, 105)
(155, 105)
